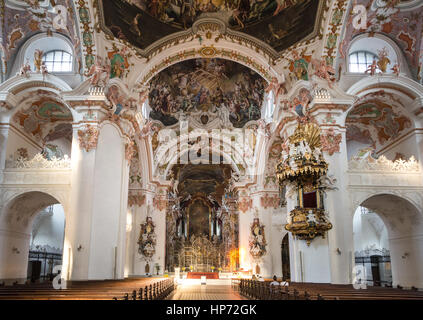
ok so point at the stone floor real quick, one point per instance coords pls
(212, 290)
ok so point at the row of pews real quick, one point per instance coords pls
(156, 291)
(262, 290)
(84, 290)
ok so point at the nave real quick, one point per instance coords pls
(213, 290)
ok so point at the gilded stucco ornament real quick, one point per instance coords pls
(303, 167)
(88, 138)
(147, 239)
(257, 241)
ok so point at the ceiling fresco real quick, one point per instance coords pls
(402, 26)
(207, 85)
(278, 23)
(23, 19)
(45, 119)
(203, 179)
(375, 122)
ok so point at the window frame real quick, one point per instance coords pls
(61, 62)
(357, 64)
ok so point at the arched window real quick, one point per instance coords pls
(58, 61)
(360, 61)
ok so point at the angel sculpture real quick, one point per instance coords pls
(99, 73)
(25, 70)
(324, 71)
(44, 70)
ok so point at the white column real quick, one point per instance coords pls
(337, 205)
(309, 263)
(95, 233)
(4, 132)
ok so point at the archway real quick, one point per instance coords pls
(404, 224)
(16, 226)
(371, 248)
(286, 269)
(46, 246)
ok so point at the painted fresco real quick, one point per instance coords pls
(403, 26)
(31, 17)
(199, 223)
(280, 23)
(41, 118)
(376, 121)
(207, 85)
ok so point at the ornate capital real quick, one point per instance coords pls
(136, 198)
(88, 137)
(270, 201)
(331, 141)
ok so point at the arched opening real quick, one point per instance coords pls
(41, 124)
(46, 247)
(375, 123)
(286, 269)
(371, 248)
(404, 230)
(31, 229)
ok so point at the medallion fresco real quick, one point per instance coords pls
(207, 85)
(279, 23)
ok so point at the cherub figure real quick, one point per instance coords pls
(99, 73)
(276, 87)
(44, 70)
(25, 69)
(372, 68)
(396, 69)
(324, 71)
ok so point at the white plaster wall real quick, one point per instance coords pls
(64, 145)
(277, 234)
(14, 264)
(50, 230)
(365, 233)
(353, 147)
(16, 140)
(245, 220)
(407, 261)
(408, 147)
(78, 224)
(106, 225)
(159, 219)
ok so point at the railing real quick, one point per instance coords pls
(156, 291)
(260, 290)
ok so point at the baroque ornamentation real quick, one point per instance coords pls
(129, 150)
(270, 201)
(159, 203)
(368, 163)
(302, 168)
(136, 198)
(147, 239)
(331, 141)
(40, 162)
(88, 138)
(244, 204)
(257, 241)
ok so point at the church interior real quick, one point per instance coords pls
(266, 149)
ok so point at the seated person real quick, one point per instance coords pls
(284, 283)
(274, 282)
